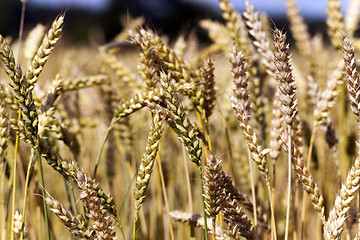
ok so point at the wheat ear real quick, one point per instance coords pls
(19, 85)
(44, 51)
(166, 58)
(327, 97)
(241, 106)
(289, 109)
(101, 222)
(18, 226)
(75, 224)
(260, 42)
(335, 224)
(334, 22)
(213, 189)
(352, 17)
(234, 216)
(300, 31)
(233, 23)
(33, 42)
(207, 82)
(147, 163)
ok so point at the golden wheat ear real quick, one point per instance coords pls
(335, 23)
(263, 46)
(44, 51)
(241, 106)
(289, 109)
(335, 224)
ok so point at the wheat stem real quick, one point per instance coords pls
(252, 187)
(166, 201)
(308, 161)
(203, 201)
(102, 148)
(14, 178)
(289, 187)
(27, 182)
(43, 192)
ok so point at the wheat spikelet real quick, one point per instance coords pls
(327, 97)
(53, 93)
(4, 126)
(76, 225)
(147, 68)
(178, 121)
(180, 46)
(277, 127)
(313, 91)
(234, 216)
(79, 83)
(98, 215)
(70, 171)
(137, 102)
(47, 123)
(243, 199)
(284, 76)
(18, 226)
(166, 58)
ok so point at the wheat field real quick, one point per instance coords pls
(253, 135)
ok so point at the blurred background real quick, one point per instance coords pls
(101, 19)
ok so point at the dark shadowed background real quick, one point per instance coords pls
(87, 19)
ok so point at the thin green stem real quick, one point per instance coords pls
(44, 194)
(203, 202)
(134, 227)
(120, 227)
(102, 147)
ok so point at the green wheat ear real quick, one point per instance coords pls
(147, 163)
